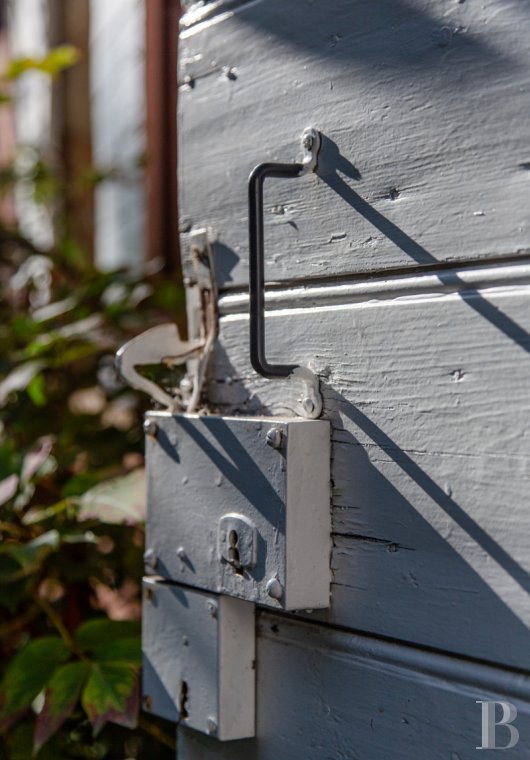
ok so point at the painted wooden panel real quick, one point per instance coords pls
(328, 695)
(427, 392)
(423, 105)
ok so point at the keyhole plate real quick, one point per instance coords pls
(237, 541)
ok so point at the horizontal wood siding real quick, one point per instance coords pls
(328, 695)
(428, 398)
(423, 108)
(401, 275)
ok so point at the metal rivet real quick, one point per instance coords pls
(274, 438)
(150, 558)
(211, 725)
(150, 428)
(181, 553)
(308, 405)
(212, 607)
(274, 588)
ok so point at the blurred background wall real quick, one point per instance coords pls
(111, 117)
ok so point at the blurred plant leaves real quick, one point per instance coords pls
(72, 484)
(30, 554)
(57, 60)
(60, 700)
(27, 675)
(110, 694)
(96, 633)
(120, 500)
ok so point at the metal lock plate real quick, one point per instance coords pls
(198, 652)
(241, 506)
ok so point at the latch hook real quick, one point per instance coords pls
(163, 345)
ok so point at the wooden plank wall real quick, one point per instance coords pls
(401, 275)
(421, 103)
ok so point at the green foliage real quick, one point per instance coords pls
(61, 695)
(27, 675)
(52, 64)
(57, 60)
(71, 491)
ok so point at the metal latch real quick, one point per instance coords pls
(199, 659)
(163, 345)
(241, 506)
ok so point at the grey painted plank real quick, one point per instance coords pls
(423, 105)
(428, 398)
(329, 695)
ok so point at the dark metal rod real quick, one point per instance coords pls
(257, 265)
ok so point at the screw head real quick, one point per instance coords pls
(212, 607)
(150, 558)
(307, 142)
(181, 553)
(274, 438)
(274, 589)
(150, 428)
(211, 725)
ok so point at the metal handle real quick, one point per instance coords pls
(311, 146)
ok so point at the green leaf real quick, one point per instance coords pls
(58, 59)
(31, 554)
(127, 651)
(37, 515)
(61, 696)
(111, 694)
(27, 675)
(95, 634)
(18, 66)
(36, 390)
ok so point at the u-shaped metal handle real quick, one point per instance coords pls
(311, 146)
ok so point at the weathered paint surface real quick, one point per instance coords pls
(424, 367)
(330, 695)
(212, 476)
(428, 399)
(198, 659)
(422, 107)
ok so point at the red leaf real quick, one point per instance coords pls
(110, 694)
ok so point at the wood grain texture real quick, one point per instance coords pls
(329, 695)
(428, 398)
(423, 107)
